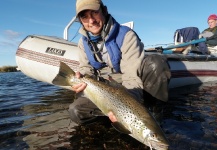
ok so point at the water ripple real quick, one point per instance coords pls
(34, 115)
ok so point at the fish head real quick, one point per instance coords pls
(157, 141)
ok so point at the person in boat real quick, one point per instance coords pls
(211, 32)
(108, 48)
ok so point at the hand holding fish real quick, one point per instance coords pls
(80, 86)
(112, 117)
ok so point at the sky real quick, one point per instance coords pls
(155, 21)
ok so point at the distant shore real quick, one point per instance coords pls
(8, 69)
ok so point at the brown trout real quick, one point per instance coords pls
(133, 118)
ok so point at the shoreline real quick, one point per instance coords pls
(8, 69)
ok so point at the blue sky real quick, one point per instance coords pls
(155, 21)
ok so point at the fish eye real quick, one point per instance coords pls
(153, 135)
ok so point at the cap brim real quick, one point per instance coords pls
(88, 7)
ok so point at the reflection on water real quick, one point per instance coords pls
(34, 115)
(190, 119)
(53, 128)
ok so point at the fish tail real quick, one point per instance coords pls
(63, 76)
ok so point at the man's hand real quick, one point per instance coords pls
(79, 87)
(112, 117)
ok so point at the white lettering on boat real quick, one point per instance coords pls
(55, 51)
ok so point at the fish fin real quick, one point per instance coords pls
(65, 72)
(97, 112)
(150, 145)
(114, 83)
(119, 127)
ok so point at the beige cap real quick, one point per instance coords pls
(87, 4)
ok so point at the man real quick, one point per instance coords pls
(211, 32)
(107, 48)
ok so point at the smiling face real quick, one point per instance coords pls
(92, 20)
(212, 23)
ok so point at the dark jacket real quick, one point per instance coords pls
(212, 41)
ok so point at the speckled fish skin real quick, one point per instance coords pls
(128, 111)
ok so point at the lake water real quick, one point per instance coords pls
(33, 115)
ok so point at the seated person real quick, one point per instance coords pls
(211, 32)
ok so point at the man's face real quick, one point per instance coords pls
(92, 20)
(212, 23)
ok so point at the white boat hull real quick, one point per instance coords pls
(38, 57)
(192, 72)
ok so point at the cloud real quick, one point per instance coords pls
(76, 25)
(5, 43)
(44, 23)
(11, 35)
(10, 38)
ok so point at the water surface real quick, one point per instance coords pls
(33, 115)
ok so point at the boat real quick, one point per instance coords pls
(39, 56)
